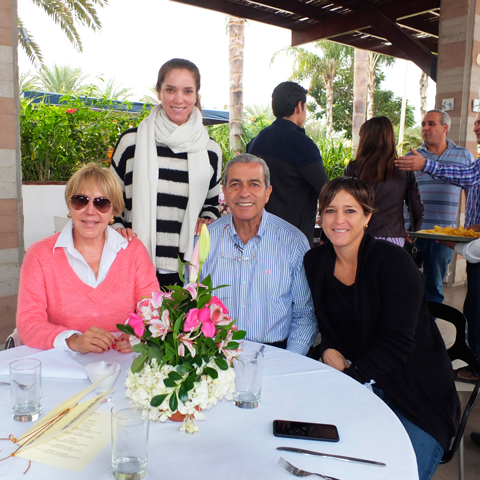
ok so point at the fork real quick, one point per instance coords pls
(299, 472)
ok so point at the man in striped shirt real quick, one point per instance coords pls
(466, 177)
(259, 257)
(440, 198)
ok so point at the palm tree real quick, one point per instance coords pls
(66, 13)
(152, 98)
(61, 79)
(318, 68)
(111, 90)
(236, 43)
(257, 111)
(375, 60)
(423, 93)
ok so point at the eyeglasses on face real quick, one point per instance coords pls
(100, 203)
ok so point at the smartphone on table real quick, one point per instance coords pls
(305, 430)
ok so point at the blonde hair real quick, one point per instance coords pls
(91, 176)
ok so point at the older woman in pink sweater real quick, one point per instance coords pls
(76, 285)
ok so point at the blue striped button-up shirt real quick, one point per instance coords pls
(465, 177)
(267, 290)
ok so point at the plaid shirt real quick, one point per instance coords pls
(465, 177)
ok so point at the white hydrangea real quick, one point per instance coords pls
(146, 384)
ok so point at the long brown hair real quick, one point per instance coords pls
(180, 64)
(376, 151)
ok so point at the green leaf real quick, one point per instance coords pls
(189, 383)
(138, 363)
(210, 372)
(157, 400)
(140, 348)
(210, 343)
(232, 345)
(183, 393)
(221, 363)
(184, 368)
(155, 352)
(174, 375)
(223, 333)
(180, 270)
(239, 335)
(168, 382)
(173, 402)
(126, 329)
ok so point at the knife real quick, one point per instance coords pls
(329, 455)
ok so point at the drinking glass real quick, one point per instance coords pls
(98, 370)
(26, 389)
(129, 442)
(248, 379)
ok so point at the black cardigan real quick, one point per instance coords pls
(402, 349)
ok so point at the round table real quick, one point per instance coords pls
(238, 444)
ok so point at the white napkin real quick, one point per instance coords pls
(55, 364)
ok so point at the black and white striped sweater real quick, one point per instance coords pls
(172, 194)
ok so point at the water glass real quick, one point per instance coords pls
(248, 379)
(98, 370)
(129, 442)
(26, 389)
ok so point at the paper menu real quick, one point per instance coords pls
(75, 450)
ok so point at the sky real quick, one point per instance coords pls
(138, 37)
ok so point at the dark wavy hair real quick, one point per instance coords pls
(376, 152)
(361, 191)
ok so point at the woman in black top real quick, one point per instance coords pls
(374, 164)
(372, 312)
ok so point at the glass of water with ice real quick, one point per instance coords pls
(248, 379)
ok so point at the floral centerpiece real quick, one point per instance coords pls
(186, 342)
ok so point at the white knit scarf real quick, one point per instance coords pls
(192, 138)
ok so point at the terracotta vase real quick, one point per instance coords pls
(180, 417)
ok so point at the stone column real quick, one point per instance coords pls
(458, 77)
(360, 86)
(11, 236)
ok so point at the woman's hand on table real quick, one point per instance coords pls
(96, 340)
(200, 222)
(126, 233)
(333, 358)
(123, 344)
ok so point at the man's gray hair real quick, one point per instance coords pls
(444, 118)
(247, 158)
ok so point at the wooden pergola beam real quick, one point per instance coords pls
(331, 24)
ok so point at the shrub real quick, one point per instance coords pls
(56, 140)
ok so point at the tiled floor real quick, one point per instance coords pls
(455, 297)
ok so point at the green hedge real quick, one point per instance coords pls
(56, 140)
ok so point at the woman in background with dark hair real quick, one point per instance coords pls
(374, 164)
(372, 312)
(169, 170)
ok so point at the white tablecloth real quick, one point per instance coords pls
(237, 444)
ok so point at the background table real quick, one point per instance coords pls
(237, 444)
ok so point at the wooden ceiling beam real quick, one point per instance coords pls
(241, 11)
(333, 24)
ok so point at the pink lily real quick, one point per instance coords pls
(216, 301)
(160, 328)
(218, 316)
(186, 341)
(136, 322)
(158, 298)
(195, 317)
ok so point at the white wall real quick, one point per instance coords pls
(40, 204)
